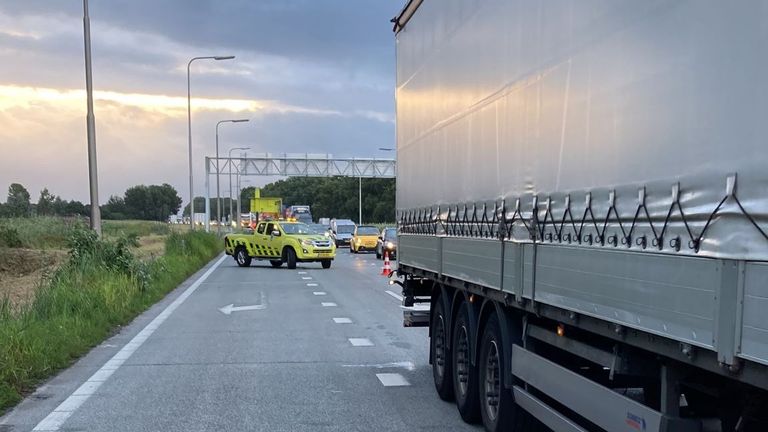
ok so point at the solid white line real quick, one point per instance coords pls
(360, 342)
(395, 295)
(392, 380)
(319, 293)
(54, 420)
(328, 304)
(342, 321)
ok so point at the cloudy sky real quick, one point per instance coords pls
(311, 75)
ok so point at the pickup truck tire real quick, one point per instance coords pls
(290, 257)
(497, 404)
(440, 353)
(242, 258)
(464, 373)
(326, 264)
(276, 263)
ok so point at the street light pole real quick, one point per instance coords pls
(229, 156)
(90, 121)
(189, 130)
(360, 202)
(218, 189)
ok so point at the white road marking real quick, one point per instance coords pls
(311, 284)
(319, 293)
(60, 414)
(360, 342)
(328, 304)
(392, 380)
(395, 295)
(342, 321)
(306, 278)
(228, 309)
(301, 272)
(407, 365)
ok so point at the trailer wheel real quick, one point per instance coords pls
(497, 404)
(290, 257)
(242, 257)
(464, 374)
(276, 263)
(440, 353)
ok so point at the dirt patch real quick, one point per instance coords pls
(22, 270)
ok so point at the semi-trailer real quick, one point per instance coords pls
(582, 200)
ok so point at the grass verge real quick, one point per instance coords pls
(101, 287)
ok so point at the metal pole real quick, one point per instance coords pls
(189, 131)
(218, 190)
(360, 202)
(231, 214)
(207, 197)
(93, 175)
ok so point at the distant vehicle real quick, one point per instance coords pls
(280, 242)
(320, 229)
(299, 213)
(199, 218)
(387, 242)
(325, 221)
(364, 238)
(342, 230)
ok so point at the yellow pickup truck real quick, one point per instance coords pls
(281, 242)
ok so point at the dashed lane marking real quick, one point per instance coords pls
(328, 304)
(360, 342)
(392, 380)
(311, 284)
(319, 293)
(306, 278)
(395, 295)
(342, 321)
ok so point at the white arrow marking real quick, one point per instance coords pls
(228, 309)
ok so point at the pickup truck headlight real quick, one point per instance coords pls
(306, 242)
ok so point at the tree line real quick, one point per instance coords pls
(335, 197)
(331, 197)
(154, 202)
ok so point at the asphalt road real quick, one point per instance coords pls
(299, 350)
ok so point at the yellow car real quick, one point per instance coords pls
(365, 237)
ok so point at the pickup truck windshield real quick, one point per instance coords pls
(367, 231)
(297, 228)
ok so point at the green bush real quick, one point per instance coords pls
(9, 237)
(102, 286)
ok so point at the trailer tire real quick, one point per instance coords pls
(499, 413)
(241, 257)
(290, 257)
(440, 352)
(276, 263)
(464, 373)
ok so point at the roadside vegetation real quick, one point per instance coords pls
(87, 287)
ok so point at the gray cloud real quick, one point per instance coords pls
(323, 56)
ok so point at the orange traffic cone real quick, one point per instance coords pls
(387, 270)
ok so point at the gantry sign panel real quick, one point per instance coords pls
(303, 166)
